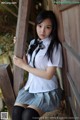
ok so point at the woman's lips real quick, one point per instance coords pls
(42, 35)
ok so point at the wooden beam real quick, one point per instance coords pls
(6, 85)
(68, 6)
(21, 36)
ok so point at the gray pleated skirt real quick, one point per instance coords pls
(45, 101)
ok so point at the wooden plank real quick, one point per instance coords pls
(73, 110)
(6, 85)
(74, 89)
(65, 7)
(21, 36)
(72, 52)
(64, 4)
(74, 22)
(71, 19)
(66, 26)
(75, 105)
(74, 70)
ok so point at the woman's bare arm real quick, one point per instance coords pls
(46, 74)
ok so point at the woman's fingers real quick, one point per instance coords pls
(14, 57)
(18, 61)
(14, 39)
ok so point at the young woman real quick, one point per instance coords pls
(41, 93)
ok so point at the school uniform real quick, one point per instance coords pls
(38, 91)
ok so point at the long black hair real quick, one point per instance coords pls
(47, 14)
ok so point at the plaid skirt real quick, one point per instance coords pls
(45, 101)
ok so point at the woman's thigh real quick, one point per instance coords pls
(21, 105)
(40, 112)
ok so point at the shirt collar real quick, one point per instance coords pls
(46, 41)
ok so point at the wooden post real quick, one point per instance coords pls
(6, 85)
(21, 36)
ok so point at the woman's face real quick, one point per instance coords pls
(44, 29)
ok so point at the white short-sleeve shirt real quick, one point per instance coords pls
(37, 84)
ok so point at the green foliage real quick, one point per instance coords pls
(6, 43)
(6, 49)
(8, 16)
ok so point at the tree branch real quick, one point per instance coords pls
(9, 10)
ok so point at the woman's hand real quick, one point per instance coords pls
(14, 39)
(19, 62)
(46, 74)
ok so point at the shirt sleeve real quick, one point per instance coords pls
(56, 57)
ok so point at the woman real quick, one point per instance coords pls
(41, 93)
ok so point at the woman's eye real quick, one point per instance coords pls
(40, 26)
(48, 27)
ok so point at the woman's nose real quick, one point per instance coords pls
(43, 30)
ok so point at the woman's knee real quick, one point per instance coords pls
(17, 112)
(30, 114)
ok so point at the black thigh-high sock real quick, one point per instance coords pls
(30, 114)
(17, 112)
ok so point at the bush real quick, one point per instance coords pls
(6, 48)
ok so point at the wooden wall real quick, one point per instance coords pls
(69, 33)
(71, 24)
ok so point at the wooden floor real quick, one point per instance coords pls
(58, 114)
